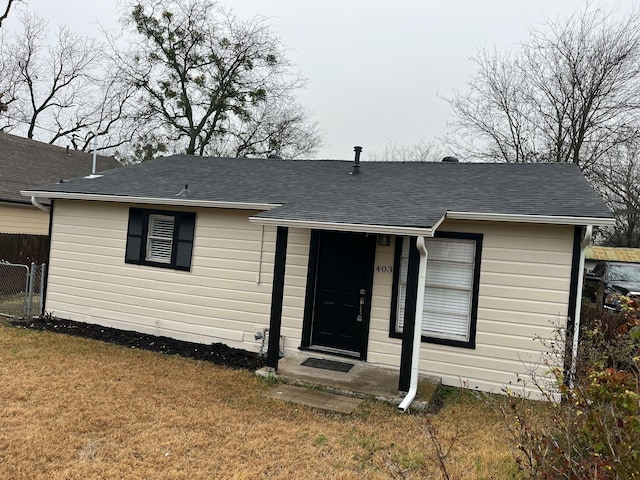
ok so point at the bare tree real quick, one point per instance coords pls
(8, 82)
(106, 114)
(213, 84)
(5, 71)
(420, 151)
(273, 126)
(7, 9)
(618, 180)
(568, 95)
(56, 83)
(64, 92)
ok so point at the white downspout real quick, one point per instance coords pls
(576, 316)
(259, 276)
(417, 331)
(36, 203)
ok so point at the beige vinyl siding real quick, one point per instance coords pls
(524, 285)
(23, 219)
(220, 300)
(295, 288)
(382, 350)
(226, 297)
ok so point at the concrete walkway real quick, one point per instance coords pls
(314, 398)
(363, 380)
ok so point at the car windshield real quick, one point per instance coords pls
(624, 273)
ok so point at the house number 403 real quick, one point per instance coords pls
(384, 268)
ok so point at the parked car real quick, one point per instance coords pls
(609, 280)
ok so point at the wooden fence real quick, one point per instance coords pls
(24, 249)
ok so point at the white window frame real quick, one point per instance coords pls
(160, 238)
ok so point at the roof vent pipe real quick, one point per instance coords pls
(356, 164)
(184, 192)
(93, 167)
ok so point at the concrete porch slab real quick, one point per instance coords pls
(362, 381)
(314, 398)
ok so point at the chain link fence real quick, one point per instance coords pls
(21, 288)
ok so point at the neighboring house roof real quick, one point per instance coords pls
(612, 254)
(25, 163)
(400, 194)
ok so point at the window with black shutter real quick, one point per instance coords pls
(160, 238)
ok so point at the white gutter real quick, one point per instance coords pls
(553, 219)
(36, 203)
(348, 227)
(417, 329)
(576, 316)
(179, 201)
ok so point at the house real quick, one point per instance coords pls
(25, 163)
(330, 256)
(595, 253)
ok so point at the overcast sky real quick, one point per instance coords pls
(376, 69)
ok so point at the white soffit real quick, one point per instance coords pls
(178, 201)
(550, 219)
(345, 227)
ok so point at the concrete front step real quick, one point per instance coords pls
(362, 381)
(314, 398)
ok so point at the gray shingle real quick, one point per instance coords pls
(384, 193)
(25, 163)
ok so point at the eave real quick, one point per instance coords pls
(427, 231)
(549, 219)
(178, 201)
(16, 203)
(349, 227)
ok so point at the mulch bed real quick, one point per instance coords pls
(217, 353)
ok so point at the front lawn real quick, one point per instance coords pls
(72, 408)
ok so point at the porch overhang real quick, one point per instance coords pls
(350, 227)
(429, 231)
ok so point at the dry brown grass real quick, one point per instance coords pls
(72, 408)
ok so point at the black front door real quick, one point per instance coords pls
(343, 291)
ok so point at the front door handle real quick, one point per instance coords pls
(362, 294)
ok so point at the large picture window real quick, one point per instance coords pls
(450, 297)
(160, 238)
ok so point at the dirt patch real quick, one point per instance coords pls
(217, 353)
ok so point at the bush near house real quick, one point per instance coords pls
(594, 432)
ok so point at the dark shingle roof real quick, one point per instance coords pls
(383, 193)
(25, 163)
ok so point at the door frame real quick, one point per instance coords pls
(310, 299)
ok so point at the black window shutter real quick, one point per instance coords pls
(134, 236)
(186, 226)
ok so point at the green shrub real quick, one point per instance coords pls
(594, 431)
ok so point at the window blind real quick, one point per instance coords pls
(160, 238)
(449, 287)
